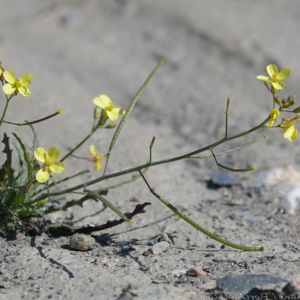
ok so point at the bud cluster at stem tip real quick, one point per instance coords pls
(275, 83)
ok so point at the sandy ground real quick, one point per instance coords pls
(79, 49)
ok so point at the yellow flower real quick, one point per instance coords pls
(109, 109)
(276, 77)
(48, 158)
(14, 84)
(290, 132)
(96, 158)
(272, 117)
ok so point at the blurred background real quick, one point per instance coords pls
(79, 49)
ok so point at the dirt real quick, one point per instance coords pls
(77, 50)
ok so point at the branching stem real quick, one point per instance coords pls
(197, 226)
(154, 163)
(5, 108)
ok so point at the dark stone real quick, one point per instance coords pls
(222, 179)
(251, 286)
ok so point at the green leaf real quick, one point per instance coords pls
(29, 212)
(19, 198)
(23, 158)
(40, 203)
(6, 170)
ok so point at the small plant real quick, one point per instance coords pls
(30, 189)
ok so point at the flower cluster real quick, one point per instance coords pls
(109, 110)
(96, 157)
(276, 77)
(50, 164)
(105, 110)
(275, 83)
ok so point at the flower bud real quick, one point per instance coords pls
(277, 100)
(96, 112)
(290, 101)
(1, 71)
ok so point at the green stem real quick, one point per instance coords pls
(99, 197)
(35, 121)
(197, 226)
(79, 144)
(5, 109)
(238, 170)
(155, 163)
(60, 181)
(226, 116)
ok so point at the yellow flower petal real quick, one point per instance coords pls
(99, 156)
(295, 134)
(103, 101)
(263, 78)
(10, 76)
(278, 85)
(290, 132)
(284, 73)
(24, 90)
(40, 153)
(57, 167)
(98, 164)
(25, 79)
(42, 175)
(112, 114)
(272, 70)
(93, 150)
(272, 118)
(53, 154)
(8, 89)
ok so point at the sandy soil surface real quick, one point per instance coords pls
(79, 49)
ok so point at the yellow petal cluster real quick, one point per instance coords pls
(276, 77)
(50, 164)
(16, 85)
(272, 117)
(96, 158)
(290, 132)
(109, 109)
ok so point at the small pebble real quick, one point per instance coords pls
(194, 272)
(293, 287)
(222, 179)
(160, 247)
(179, 272)
(147, 252)
(81, 242)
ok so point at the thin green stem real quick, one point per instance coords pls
(99, 197)
(58, 112)
(226, 116)
(238, 170)
(159, 162)
(78, 145)
(5, 108)
(150, 148)
(197, 226)
(128, 111)
(54, 183)
(260, 139)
